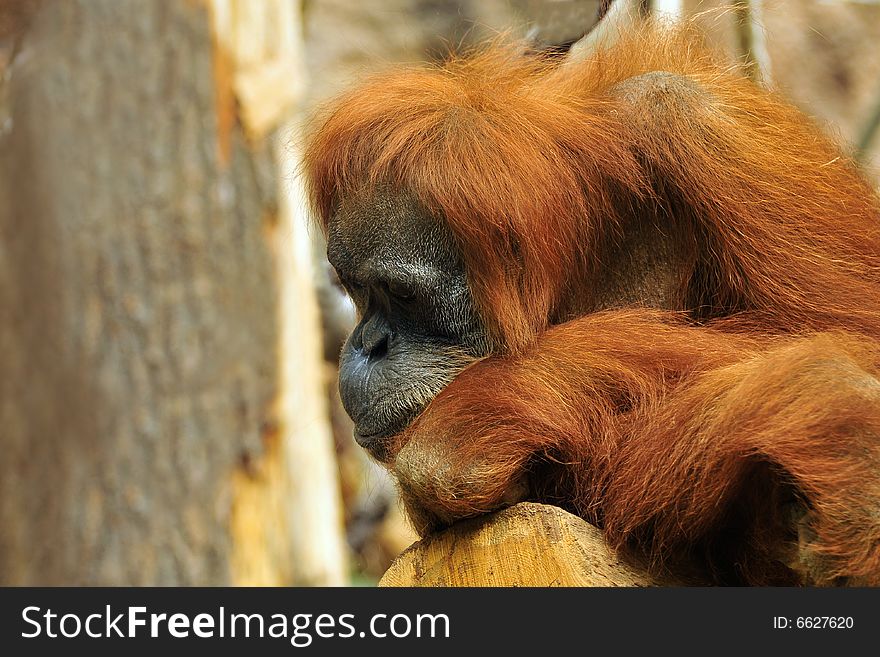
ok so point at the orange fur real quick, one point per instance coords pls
(680, 433)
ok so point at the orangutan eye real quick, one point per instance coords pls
(399, 290)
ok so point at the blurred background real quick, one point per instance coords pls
(168, 326)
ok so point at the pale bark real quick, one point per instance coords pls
(525, 545)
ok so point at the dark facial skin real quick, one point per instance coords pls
(418, 326)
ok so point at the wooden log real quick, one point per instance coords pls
(524, 545)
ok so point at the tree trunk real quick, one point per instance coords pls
(140, 310)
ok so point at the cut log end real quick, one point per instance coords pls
(524, 545)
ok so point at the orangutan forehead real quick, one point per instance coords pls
(389, 230)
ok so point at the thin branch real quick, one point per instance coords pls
(751, 38)
(669, 8)
(863, 145)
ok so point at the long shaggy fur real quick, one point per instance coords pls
(741, 432)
